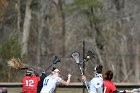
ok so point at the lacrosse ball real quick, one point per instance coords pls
(88, 57)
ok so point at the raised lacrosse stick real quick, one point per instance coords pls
(76, 57)
(55, 61)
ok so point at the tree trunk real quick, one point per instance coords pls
(18, 21)
(123, 53)
(26, 29)
(43, 27)
(137, 74)
(94, 25)
(63, 26)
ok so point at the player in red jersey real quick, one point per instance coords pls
(109, 87)
(30, 82)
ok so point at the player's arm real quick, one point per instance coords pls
(85, 80)
(66, 82)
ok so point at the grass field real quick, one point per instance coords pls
(17, 87)
(14, 90)
(58, 90)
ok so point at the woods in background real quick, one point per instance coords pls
(36, 30)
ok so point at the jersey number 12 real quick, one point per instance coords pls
(30, 83)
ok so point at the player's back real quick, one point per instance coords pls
(30, 84)
(40, 83)
(49, 84)
(109, 86)
(25, 87)
(96, 84)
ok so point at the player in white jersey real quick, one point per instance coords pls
(96, 84)
(50, 82)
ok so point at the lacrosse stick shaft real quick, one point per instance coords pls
(76, 57)
(86, 86)
(81, 70)
(48, 67)
(84, 81)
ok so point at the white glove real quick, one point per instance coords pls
(69, 75)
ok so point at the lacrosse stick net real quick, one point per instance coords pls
(76, 57)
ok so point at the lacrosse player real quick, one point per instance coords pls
(50, 82)
(30, 82)
(40, 83)
(96, 84)
(109, 87)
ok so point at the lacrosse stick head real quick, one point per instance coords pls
(89, 55)
(76, 57)
(56, 60)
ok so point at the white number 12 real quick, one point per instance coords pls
(30, 83)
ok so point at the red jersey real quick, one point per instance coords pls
(109, 87)
(30, 84)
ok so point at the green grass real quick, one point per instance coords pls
(14, 90)
(58, 90)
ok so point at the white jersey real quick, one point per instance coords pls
(96, 84)
(49, 84)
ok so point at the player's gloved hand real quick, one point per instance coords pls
(69, 75)
(83, 78)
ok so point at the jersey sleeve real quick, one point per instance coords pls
(59, 79)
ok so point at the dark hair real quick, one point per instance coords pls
(109, 75)
(98, 69)
(53, 68)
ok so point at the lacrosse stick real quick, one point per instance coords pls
(76, 57)
(89, 56)
(55, 61)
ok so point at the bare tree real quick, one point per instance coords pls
(26, 28)
(43, 17)
(18, 20)
(61, 3)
